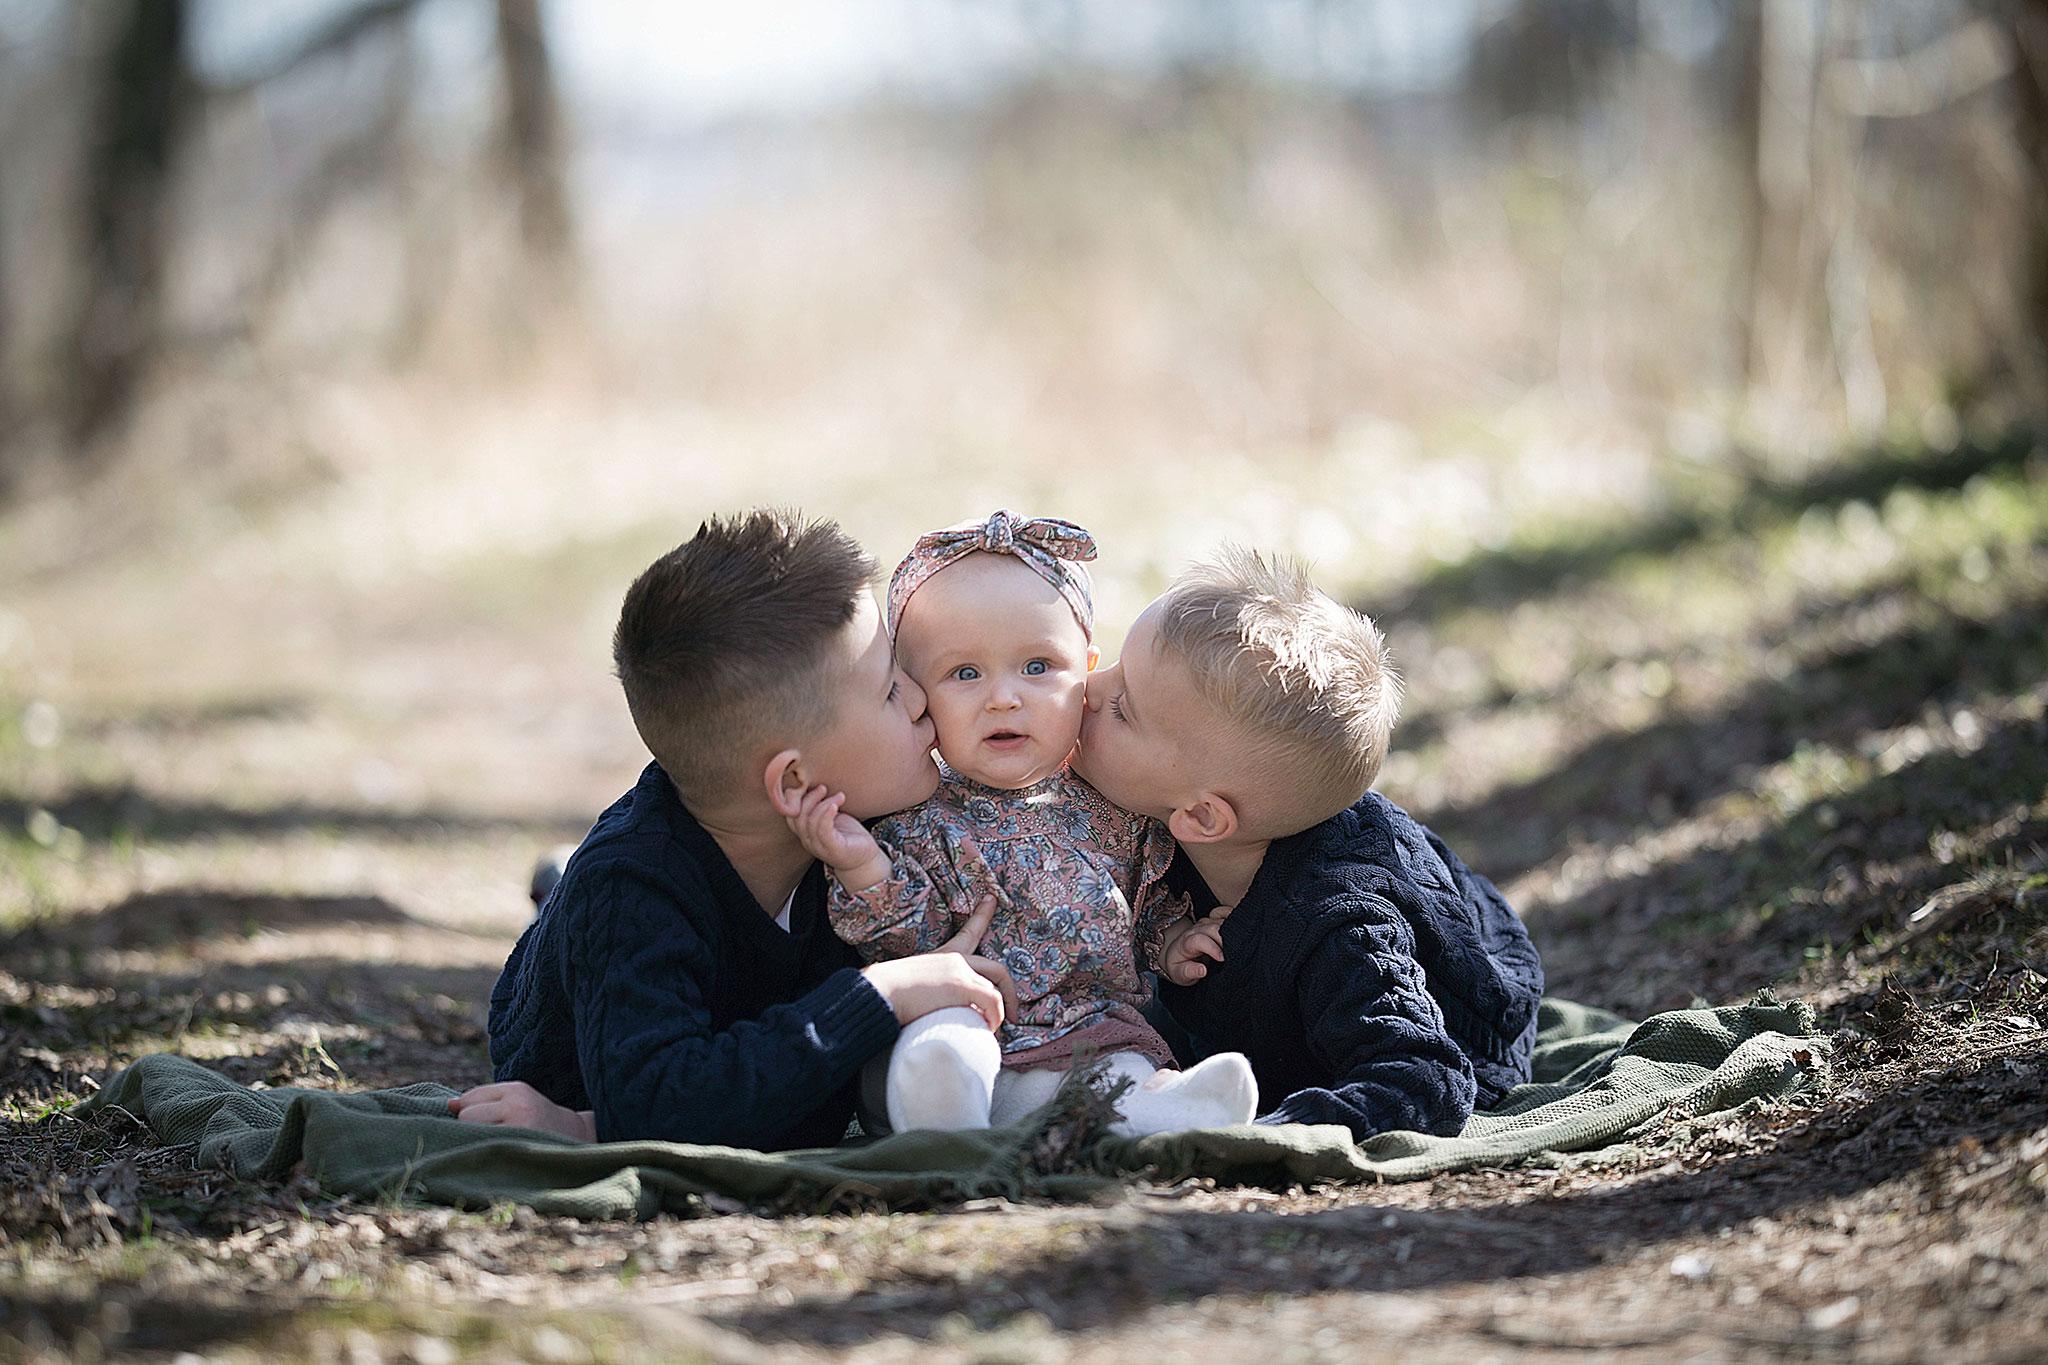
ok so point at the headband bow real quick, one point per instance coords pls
(1051, 548)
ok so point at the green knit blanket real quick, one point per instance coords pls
(1598, 1080)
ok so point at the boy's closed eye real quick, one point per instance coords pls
(1116, 706)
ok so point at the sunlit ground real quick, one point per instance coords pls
(271, 803)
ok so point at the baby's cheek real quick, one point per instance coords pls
(954, 738)
(1069, 710)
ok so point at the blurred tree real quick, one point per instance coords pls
(1786, 50)
(2025, 23)
(346, 165)
(1549, 56)
(145, 101)
(533, 150)
(1816, 91)
(142, 107)
(7, 398)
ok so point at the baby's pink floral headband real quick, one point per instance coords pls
(1049, 547)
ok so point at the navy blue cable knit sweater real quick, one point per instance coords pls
(1371, 978)
(653, 989)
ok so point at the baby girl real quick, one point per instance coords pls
(994, 620)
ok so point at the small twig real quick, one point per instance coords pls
(1952, 905)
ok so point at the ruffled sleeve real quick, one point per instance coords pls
(936, 875)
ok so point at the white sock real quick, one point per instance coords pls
(1017, 1093)
(1216, 1092)
(942, 1071)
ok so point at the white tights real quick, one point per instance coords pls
(946, 1071)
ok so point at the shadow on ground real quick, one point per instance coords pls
(118, 983)
(1128, 1267)
(104, 814)
(128, 1320)
(1619, 784)
(189, 916)
(1839, 869)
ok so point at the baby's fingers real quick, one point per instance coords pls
(812, 824)
(820, 814)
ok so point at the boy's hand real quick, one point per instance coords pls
(838, 840)
(519, 1105)
(915, 986)
(1180, 959)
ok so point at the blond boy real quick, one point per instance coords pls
(1370, 977)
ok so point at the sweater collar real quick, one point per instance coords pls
(727, 886)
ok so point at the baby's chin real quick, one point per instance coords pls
(1006, 777)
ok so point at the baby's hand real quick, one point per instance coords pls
(838, 840)
(827, 834)
(1180, 960)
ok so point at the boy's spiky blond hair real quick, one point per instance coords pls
(1307, 681)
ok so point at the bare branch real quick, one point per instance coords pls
(1952, 67)
(340, 32)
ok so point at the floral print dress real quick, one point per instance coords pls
(1066, 868)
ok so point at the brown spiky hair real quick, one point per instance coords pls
(725, 644)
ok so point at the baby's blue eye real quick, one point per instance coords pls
(966, 673)
(1035, 669)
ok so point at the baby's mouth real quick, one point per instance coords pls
(1006, 739)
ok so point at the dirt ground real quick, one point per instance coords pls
(1781, 731)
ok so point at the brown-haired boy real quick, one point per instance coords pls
(1370, 977)
(681, 981)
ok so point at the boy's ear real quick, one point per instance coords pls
(1207, 819)
(1094, 656)
(783, 777)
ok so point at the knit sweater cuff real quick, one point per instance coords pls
(852, 1016)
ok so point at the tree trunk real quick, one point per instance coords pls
(533, 140)
(143, 105)
(2026, 22)
(8, 362)
(1780, 321)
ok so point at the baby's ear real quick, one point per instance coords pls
(784, 780)
(1094, 656)
(1208, 819)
